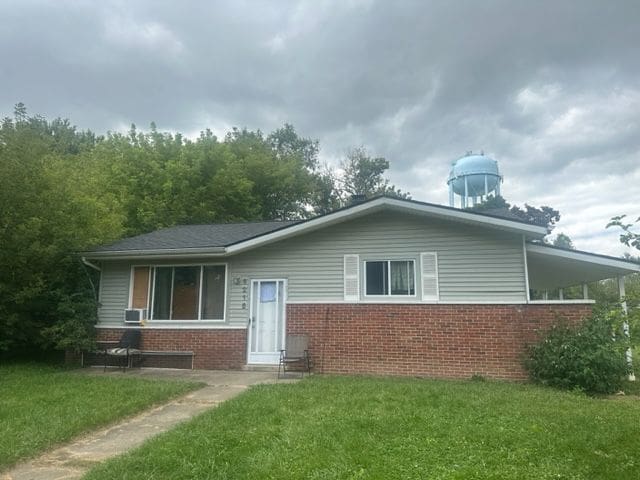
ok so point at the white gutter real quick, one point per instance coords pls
(159, 253)
(89, 264)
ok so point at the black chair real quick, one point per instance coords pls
(295, 356)
(127, 348)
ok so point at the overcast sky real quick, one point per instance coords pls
(551, 90)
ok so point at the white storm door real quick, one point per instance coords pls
(267, 321)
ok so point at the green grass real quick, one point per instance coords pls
(631, 388)
(41, 406)
(372, 428)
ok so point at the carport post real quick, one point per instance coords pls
(625, 325)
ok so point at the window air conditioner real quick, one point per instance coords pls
(135, 315)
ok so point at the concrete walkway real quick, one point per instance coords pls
(74, 459)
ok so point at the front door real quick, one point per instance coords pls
(267, 321)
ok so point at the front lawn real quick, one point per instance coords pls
(347, 428)
(41, 406)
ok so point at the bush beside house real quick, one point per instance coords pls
(590, 356)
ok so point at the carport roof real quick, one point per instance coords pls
(552, 267)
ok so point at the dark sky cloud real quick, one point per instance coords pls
(550, 89)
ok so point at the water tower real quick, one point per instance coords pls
(473, 177)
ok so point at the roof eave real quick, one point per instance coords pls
(156, 254)
(578, 255)
(533, 231)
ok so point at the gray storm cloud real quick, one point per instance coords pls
(550, 89)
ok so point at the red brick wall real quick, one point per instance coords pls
(424, 340)
(214, 349)
(421, 340)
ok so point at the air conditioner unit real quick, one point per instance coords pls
(135, 315)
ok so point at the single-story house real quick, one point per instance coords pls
(386, 286)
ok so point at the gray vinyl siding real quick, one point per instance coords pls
(474, 264)
(114, 292)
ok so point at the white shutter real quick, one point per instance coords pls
(352, 278)
(429, 277)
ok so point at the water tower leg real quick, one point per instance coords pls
(486, 186)
(451, 200)
(466, 193)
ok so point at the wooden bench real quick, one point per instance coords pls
(165, 353)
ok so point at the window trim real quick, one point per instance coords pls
(151, 295)
(390, 295)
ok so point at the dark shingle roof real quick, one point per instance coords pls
(195, 236)
(503, 213)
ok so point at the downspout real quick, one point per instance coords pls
(526, 270)
(625, 325)
(89, 264)
(95, 267)
(324, 338)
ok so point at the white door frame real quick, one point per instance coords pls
(275, 357)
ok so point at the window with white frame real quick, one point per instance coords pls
(390, 278)
(190, 292)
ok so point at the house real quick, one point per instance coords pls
(387, 286)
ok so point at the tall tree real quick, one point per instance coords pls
(364, 176)
(286, 142)
(326, 195)
(47, 212)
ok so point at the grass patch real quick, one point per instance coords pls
(41, 406)
(386, 428)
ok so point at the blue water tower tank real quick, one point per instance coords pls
(473, 177)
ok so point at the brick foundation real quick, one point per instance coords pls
(425, 340)
(215, 349)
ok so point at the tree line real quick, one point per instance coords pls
(64, 190)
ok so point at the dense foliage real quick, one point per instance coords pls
(364, 175)
(589, 356)
(544, 216)
(64, 191)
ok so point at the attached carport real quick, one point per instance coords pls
(552, 267)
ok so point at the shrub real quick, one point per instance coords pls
(589, 356)
(75, 329)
